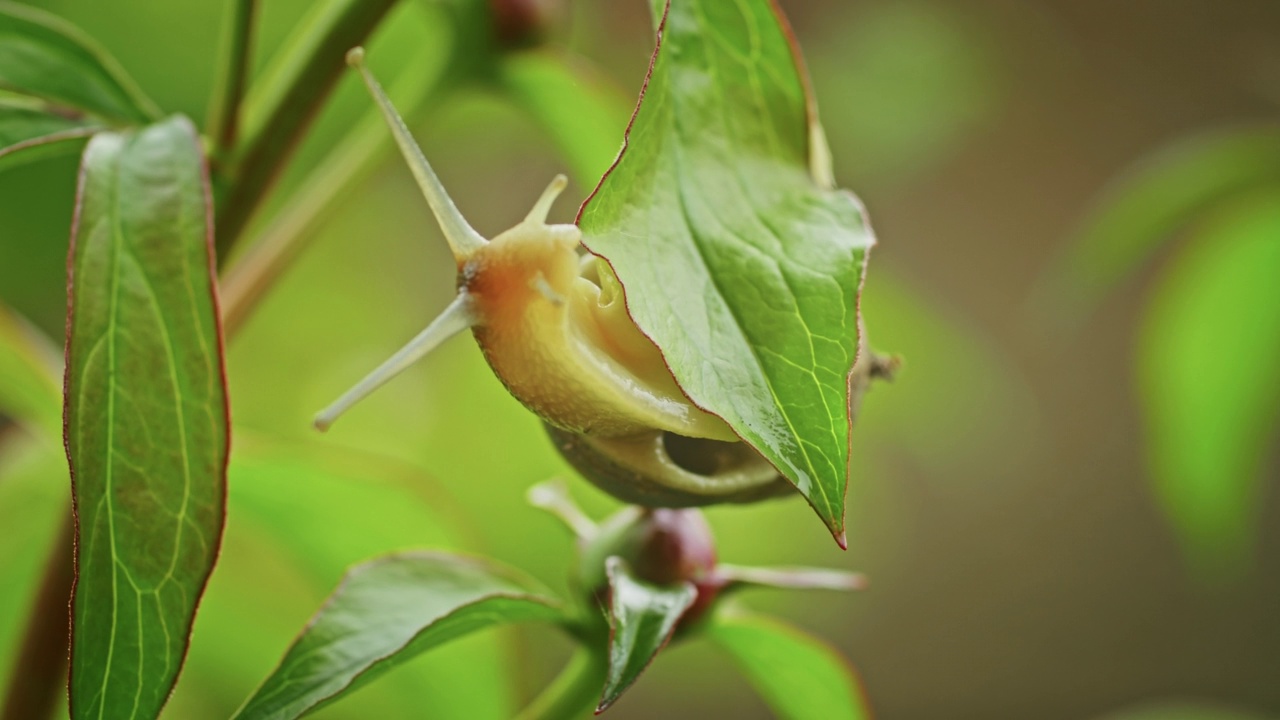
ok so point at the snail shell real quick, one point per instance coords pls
(552, 323)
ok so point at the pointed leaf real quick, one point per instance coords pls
(642, 618)
(44, 57)
(386, 612)
(27, 126)
(146, 415)
(1209, 366)
(737, 261)
(28, 377)
(800, 676)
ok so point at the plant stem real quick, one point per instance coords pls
(40, 667)
(575, 691)
(259, 266)
(300, 88)
(224, 113)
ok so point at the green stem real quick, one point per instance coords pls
(224, 113)
(257, 268)
(575, 691)
(40, 668)
(299, 89)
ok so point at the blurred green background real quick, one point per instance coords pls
(1065, 503)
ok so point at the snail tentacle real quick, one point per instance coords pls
(460, 315)
(463, 239)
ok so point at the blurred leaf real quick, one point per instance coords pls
(800, 676)
(1209, 367)
(910, 80)
(737, 263)
(29, 385)
(1163, 193)
(47, 58)
(34, 497)
(24, 126)
(580, 110)
(146, 415)
(642, 618)
(386, 612)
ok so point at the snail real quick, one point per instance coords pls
(551, 320)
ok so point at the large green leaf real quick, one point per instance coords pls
(741, 264)
(1209, 367)
(28, 377)
(386, 612)
(642, 618)
(43, 57)
(800, 676)
(146, 422)
(1164, 192)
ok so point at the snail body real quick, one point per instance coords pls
(552, 323)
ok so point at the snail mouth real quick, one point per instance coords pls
(663, 469)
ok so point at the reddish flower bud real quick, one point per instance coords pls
(661, 546)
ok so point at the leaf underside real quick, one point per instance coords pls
(642, 618)
(146, 415)
(741, 267)
(386, 612)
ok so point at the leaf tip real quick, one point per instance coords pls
(836, 525)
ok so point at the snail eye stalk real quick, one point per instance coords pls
(463, 239)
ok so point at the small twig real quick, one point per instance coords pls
(40, 667)
(575, 691)
(302, 88)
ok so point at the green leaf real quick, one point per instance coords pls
(579, 110)
(642, 618)
(26, 126)
(29, 385)
(1151, 202)
(737, 262)
(44, 57)
(147, 415)
(1209, 367)
(800, 676)
(386, 612)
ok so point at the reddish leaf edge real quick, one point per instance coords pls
(50, 139)
(837, 527)
(211, 262)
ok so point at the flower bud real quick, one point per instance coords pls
(521, 23)
(661, 546)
